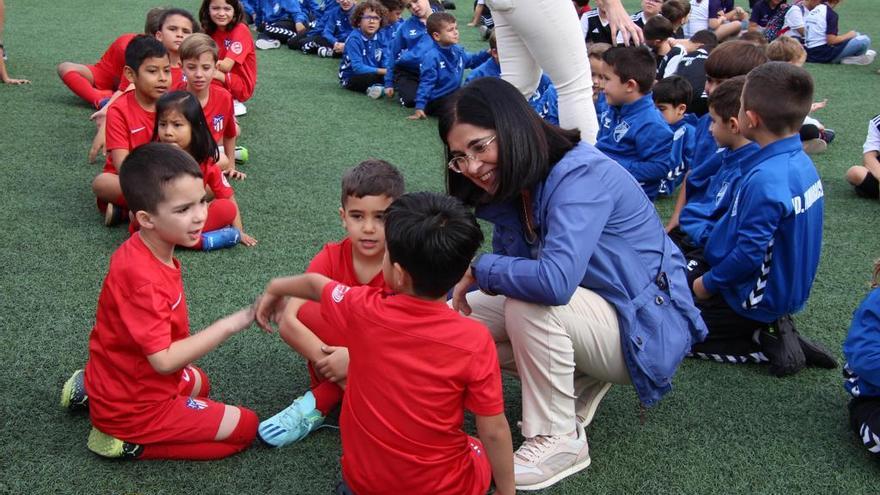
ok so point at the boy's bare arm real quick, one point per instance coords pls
(188, 350)
(679, 204)
(297, 335)
(306, 286)
(494, 432)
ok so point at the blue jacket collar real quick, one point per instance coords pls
(637, 106)
(786, 145)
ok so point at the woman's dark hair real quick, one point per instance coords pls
(201, 144)
(528, 147)
(205, 15)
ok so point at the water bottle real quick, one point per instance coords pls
(220, 238)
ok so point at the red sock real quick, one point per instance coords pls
(83, 88)
(328, 395)
(120, 201)
(221, 213)
(240, 439)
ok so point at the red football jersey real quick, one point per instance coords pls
(128, 126)
(215, 180)
(238, 45)
(113, 60)
(141, 311)
(219, 114)
(414, 367)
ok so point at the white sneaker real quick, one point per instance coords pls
(267, 44)
(544, 460)
(325, 52)
(866, 59)
(375, 91)
(238, 108)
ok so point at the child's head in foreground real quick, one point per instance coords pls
(724, 105)
(672, 95)
(180, 121)
(629, 73)
(776, 98)
(431, 240)
(731, 59)
(165, 190)
(367, 190)
(443, 28)
(787, 49)
(147, 66)
(594, 54)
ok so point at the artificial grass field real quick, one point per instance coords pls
(723, 429)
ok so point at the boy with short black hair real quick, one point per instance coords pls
(764, 251)
(145, 398)
(631, 130)
(130, 119)
(672, 96)
(414, 361)
(677, 11)
(367, 190)
(442, 67)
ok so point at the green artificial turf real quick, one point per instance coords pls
(730, 429)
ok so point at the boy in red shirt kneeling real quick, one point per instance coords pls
(415, 364)
(145, 398)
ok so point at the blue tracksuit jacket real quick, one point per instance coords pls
(442, 70)
(337, 24)
(408, 47)
(596, 231)
(386, 34)
(764, 252)
(700, 213)
(636, 136)
(682, 155)
(362, 55)
(271, 11)
(862, 349)
(543, 100)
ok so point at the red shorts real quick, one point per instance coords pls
(103, 79)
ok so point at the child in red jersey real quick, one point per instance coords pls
(145, 398)
(237, 69)
(198, 55)
(179, 121)
(416, 364)
(130, 120)
(367, 190)
(96, 83)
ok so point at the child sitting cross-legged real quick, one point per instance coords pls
(367, 190)
(146, 400)
(364, 58)
(631, 130)
(442, 67)
(416, 364)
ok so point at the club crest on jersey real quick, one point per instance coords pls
(377, 54)
(196, 404)
(236, 47)
(620, 131)
(413, 32)
(339, 292)
(217, 123)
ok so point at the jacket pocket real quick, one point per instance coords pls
(659, 337)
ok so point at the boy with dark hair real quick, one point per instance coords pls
(764, 251)
(442, 67)
(145, 399)
(687, 59)
(657, 32)
(631, 130)
(677, 11)
(130, 120)
(367, 190)
(414, 361)
(672, 95)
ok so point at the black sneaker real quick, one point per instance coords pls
(73, 393)
(781, 345)
(816, 355)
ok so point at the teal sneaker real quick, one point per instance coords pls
(293, 423)
(111, 447)
(241, 155)
(73, 393)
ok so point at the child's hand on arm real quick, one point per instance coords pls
(225, 66)
(98, 143)
(494, 432)
(271, 303)
(338, 47)
(334, 367)
(819, 105)
(234, 173)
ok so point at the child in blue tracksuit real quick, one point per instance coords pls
(544, 100)
(672, 95)
(631, 130)
(334, 30)
(862, 369)
(406, 51)
(280, 19)
(442, 68)
(363, 61)
(763, 253)
(392, 21)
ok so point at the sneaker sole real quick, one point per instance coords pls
(557, 477)
(815, 146)
(67, 389)
(591, 412)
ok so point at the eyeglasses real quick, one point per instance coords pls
(371, 18)
(458, 163)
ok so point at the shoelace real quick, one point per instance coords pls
(533, 448)
(291, 417)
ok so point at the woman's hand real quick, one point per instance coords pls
(620, 21)
(459, 293)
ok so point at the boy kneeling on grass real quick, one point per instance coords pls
(415, 364)
(145, 398)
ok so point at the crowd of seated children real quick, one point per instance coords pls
(631, 129)
(223, 20)
(367, 191)
(279, 20)
(442, 68)
(826, 45)
(405, 53)
(327, 37)
(719, 16)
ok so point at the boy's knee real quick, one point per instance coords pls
(246, 430)
(856, 175)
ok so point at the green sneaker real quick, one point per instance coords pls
(241, 154)
(111, 447)
(73, 393)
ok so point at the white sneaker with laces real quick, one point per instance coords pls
(866, 59)
(375, 91)
(542, 461)
(238, 108)
(267, 44)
